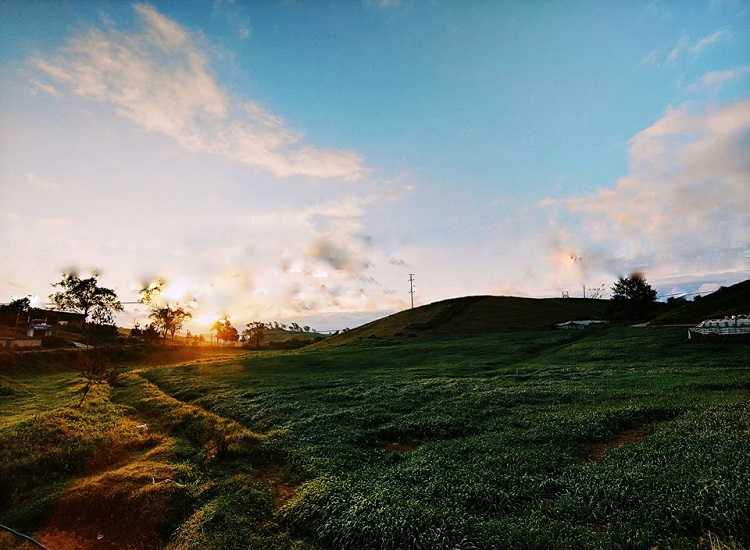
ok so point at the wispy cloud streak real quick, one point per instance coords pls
(159, 78)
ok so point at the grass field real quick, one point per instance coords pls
(622, 437)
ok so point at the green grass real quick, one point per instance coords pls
(388, 443)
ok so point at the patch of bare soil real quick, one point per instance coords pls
(595, 451)
(121, 508)
(401, 447)
(281, 490)
(121, 500)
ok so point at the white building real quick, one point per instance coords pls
(736, 325)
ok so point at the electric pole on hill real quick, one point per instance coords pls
(411, 288)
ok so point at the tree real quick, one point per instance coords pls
(98, 305)
(633, 288)
(151, 291)
(596, 293)
(169, 319)
(633, 296)
(18, 305)
(179, 316)
(87, 297)
(136, 331)
(95, 368)
(225, 331)
(14, 310)
(255, 333)
(150, 333)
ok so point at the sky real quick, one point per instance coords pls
(295, 161)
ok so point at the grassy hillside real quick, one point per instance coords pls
(623, 437)
(731, 300)
(276, 335)
(475, 315)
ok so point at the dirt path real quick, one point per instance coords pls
(130, 487)
(122, 497)
(221, 432)
(596, 451)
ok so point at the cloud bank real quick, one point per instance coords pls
(683, 207)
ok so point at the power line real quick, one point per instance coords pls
(411, 288)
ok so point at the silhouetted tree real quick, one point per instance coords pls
(87, 297)
(150, 291)
(633, 288)
(12, 312)
(136, 331)
(633, 296)
(150, 332)
(18, 305)
(225, 331)
(169, 319)
(98, 306)
(255, 333)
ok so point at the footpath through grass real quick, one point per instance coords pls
(616, 438)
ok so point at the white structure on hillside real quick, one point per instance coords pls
(736, 325)
(580, 324)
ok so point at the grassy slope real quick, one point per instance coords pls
(475, 315)
(731, 300)
(447, 443)
(281, 335)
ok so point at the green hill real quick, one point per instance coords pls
(275, 335)
(730, 300)
(476, 315)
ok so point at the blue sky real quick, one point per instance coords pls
(479, 144)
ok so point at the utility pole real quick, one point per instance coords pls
(584, 291)
(411, 288)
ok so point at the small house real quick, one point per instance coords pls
(38, 328)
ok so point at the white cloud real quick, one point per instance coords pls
(162, 30)
(684, 46)
(383, 4)
(710, 39)
(255, 263)
(684, 206)
(37, 87)
(159, 78)
(244, 30)
(235, 16)
(714, 80)
(652, 58)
